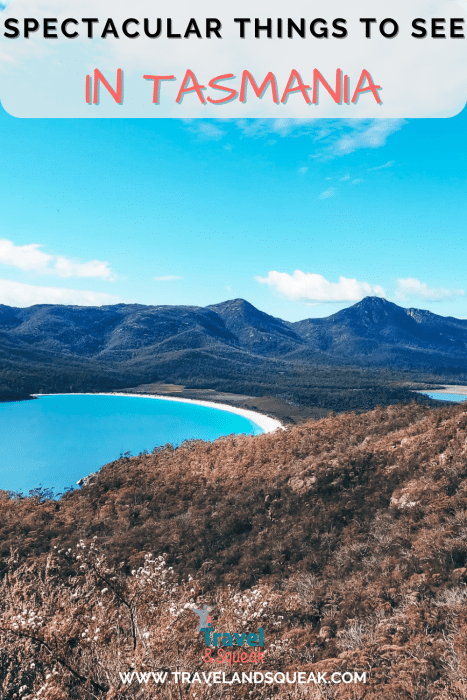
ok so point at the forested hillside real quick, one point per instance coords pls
(363, 356)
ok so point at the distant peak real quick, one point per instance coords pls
(376, 304)
(373, 309)
(237, 302)
(374, 301)
(234, 304)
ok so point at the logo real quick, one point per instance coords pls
(204, 618)
(221, 640)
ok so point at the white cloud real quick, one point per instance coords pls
(258, 128)
(357, 181)
(337, 137)
(334, 138)
(30, 258)
(345, 178)
(205, 129)
(331, 192)
(303, 170)
(19, 294)
(367, 134)
(412, 287)
(389, 164)
(306, 286)
(167, 278)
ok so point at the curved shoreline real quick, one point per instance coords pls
(266, 423)
(447, 389)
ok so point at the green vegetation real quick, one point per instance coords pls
(363, 356)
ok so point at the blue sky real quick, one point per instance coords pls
(299, 218)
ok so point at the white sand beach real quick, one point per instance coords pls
(266, 423)
(450, 389)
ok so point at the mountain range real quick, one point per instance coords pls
(47, 347)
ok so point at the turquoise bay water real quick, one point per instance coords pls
(442, 396)
(53, 441)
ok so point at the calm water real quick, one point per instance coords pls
(55, 440)
(442, 396)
